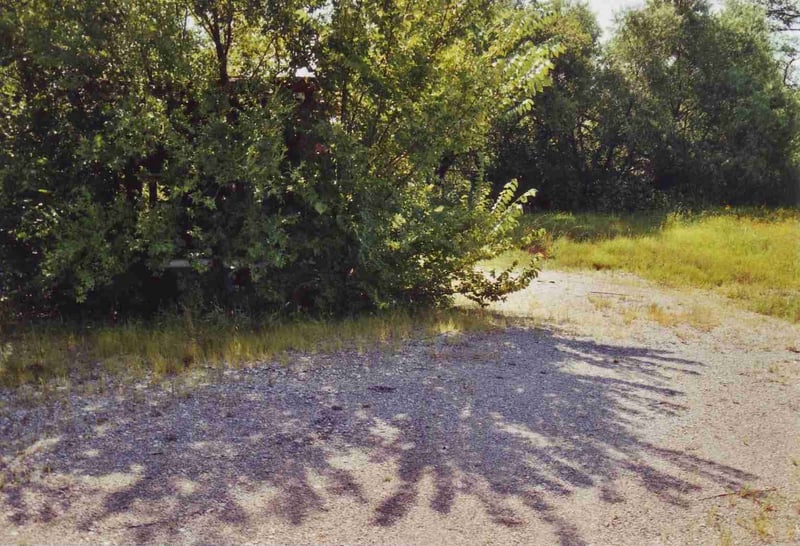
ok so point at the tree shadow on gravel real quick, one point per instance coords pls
(521, 415)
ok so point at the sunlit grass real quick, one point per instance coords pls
(753, 261)
(751, 256)
(580, 227)
(767, 515)
(169, 346)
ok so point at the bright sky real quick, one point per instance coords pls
(605, 10)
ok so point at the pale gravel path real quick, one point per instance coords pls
(588, 423)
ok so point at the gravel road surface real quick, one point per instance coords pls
(614, 412)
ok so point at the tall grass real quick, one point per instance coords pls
(169, 346)
(751, 256)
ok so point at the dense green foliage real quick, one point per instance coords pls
(332, 156)
(158, 151)
(683, 105)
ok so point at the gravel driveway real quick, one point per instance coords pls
(613, 413)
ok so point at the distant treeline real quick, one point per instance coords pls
(681, 105)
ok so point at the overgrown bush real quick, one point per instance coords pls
(159, 152)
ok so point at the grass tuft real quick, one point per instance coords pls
(601, 303)
(663, 317)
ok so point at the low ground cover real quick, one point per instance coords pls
(751, 256)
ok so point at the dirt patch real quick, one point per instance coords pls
(588, 423)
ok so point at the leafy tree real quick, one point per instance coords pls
(682, 105)
(139, 136)
(712, 121)
(784, 14)
(551, 147)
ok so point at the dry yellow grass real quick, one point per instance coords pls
(168, 347)
(600, 303)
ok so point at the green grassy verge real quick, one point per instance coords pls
(751, 256)
(169, 346)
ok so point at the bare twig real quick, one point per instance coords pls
(744, 493)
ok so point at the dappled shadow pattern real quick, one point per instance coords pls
(522, 414)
